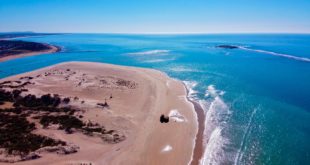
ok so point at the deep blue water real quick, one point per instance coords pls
(256, 100)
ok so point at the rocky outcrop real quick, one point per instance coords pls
(228, 47)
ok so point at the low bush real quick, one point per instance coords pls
(16, 136)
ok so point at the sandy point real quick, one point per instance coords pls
(136, 99)
(51, 49)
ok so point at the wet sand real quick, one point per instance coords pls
(199, 146)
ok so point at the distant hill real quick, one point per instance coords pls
(12, 47)
(7, 35)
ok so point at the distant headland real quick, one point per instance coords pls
(10, 35)
(10, 49)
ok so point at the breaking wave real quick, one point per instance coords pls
(158, 60)
(212, 92)
(192, 94)
(151, 52)
(183, 69)
(217, 114)
(276, 54)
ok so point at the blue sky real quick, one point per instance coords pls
(156, 16)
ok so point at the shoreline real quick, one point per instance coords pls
(199, 146)
(52, 49)
(134, 112)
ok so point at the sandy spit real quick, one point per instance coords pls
(134, 111)
(52, 49)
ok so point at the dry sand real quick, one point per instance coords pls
(139, 97)
(52, 49)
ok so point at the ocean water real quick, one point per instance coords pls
(256, 98)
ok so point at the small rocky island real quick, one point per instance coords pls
(227, 47)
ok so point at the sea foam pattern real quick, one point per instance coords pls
(304, 59)
(151, 52)
(216, 116)
(240, 152)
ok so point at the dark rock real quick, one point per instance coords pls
(228, 47)
(164, 119)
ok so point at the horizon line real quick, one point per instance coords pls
(158, 33)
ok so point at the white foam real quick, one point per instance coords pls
(183, 69)
(221, 93)
(158, 60)
(190, 85)
(176, 116)
(214, 153)
(168, 83)
(167, 148)
(151, 52)
(217, 114)
(214, 141)
(217, 111)
(277, 54)
(239, 154)
(212, 92)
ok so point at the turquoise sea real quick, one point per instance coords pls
(256, 98)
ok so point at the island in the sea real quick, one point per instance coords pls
(94, 113)
(227, 46)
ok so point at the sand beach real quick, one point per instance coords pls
(127, 101)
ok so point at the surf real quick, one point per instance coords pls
(216, 114)
(151, 52)
(304, 59)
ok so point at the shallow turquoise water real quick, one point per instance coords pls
(257, 101)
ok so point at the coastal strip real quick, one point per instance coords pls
(11, 49)
(122, 115)
(199, 146)
(199, 143)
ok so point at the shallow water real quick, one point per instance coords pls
(256, 100)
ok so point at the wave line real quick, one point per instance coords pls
(239, 155)
(304, 59)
